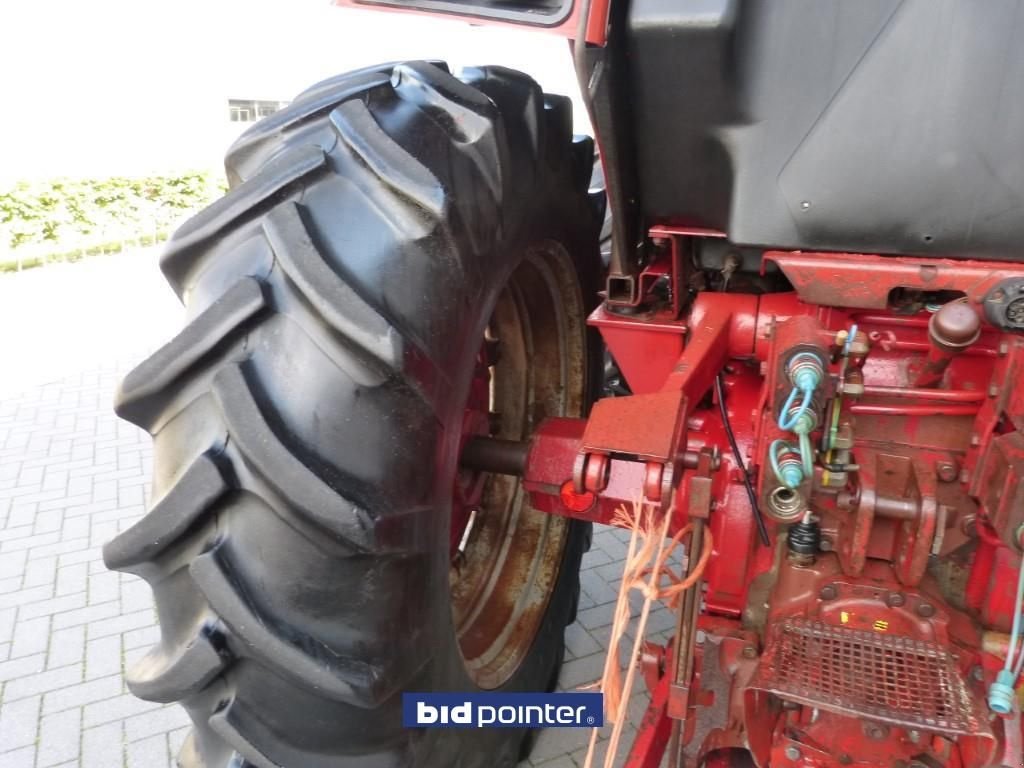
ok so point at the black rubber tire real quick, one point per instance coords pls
(305, 419)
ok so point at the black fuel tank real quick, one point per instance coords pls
(861, 125)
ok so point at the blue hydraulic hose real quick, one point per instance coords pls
(1015, 631)
(785, 422)
(807, 454)
(1001, 693)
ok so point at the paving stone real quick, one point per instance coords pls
(20, 758)
(159, 721)
(31, 636)
(103, 746)
(67, 646)
(50, 680)
(103, 657)
(563, 761)
(27, 665)
(581, 672)
(149, 753)
(554, 742)
(53, 607)
(19, 724)
(73, 578)
(579, 642)
(598, 616)
(116, 709)
(119, 624)
(86, 614)
(12, 564)
(59, 738)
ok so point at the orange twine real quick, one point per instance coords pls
(639, 574)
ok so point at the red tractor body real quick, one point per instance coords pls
(813, 311)
(835, 188)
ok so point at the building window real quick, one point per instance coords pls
(250, 110)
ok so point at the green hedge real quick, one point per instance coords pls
(64, 219)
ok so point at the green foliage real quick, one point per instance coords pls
(61, 219)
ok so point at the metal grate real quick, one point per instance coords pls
(900, 680)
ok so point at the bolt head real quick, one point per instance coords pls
(875, 731)
(925, 610)
(792, 753)
(828, 592)
(895, 599)
(749, 652)
(947, 471)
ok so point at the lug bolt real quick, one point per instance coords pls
(829, 592)
(925, 610)
(793, 753)
(875, 731)
(895, 599)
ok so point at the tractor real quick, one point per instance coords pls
(409, 383)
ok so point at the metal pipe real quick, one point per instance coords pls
(919, 393)
(898, 509)
(686, 634)
(873, 409)
(894, 320)
(491, 454)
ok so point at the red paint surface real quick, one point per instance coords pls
(891, 517)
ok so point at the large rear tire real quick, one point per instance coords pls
(382, 233)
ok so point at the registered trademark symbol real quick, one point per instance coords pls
(590, 719)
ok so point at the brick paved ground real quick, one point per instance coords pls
(72, 476)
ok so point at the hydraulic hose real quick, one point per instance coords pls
(762, 529)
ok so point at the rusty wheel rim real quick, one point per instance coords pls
(502, 581)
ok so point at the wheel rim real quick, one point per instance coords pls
(531, 367)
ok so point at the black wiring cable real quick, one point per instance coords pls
(762, 529)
